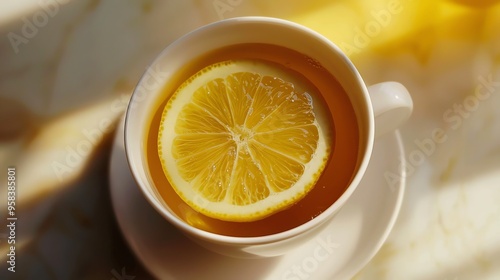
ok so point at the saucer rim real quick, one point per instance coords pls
(354, 268)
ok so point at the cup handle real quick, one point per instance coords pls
(392, 106)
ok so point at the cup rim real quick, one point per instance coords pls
(137, 168)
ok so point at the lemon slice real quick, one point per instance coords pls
(243, 139)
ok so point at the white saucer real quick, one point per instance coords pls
(344, 247)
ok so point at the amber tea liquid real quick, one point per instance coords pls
(334, 179)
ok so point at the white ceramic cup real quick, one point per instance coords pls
(380, 108)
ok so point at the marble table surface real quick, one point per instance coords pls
(67, 69)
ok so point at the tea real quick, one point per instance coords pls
(331, 184)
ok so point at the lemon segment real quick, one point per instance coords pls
(243, 139)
